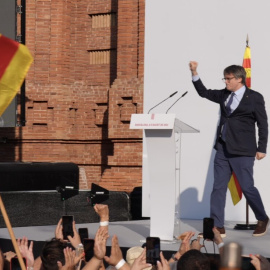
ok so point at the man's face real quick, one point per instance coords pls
(232, 83)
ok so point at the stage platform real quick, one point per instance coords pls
(134, 233)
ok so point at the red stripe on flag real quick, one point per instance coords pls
(8, 48)
(247, 63)
(248, 82)
(239, 190)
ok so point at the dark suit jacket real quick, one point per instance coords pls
(240, 127)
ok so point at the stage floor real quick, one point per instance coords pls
(134, 233)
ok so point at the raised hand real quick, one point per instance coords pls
(76, 239)
(70, 263)
(103, 211)
(185, 245)
(116, 253)
(193, 67)
(100, 244)
(26, 251)
(163, 265)
(59, 230)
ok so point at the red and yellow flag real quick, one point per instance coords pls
(247, 66)
(15, 61)
(235, 189)
(233, 184)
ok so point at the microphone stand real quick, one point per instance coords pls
(176, 101)
(163, 101)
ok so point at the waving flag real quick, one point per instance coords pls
(233, 184)
(15, 61)
(247, 65)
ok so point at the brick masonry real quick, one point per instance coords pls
(84, 84)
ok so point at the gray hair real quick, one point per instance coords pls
(237, 71)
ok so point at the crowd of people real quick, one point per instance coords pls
(68, 255)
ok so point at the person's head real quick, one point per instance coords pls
(133, 253)
(53, 252)
(234, 77)
(193, 260)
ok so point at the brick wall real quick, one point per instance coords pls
(84, 84)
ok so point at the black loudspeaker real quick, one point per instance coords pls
(46, 208)
(33, 176)
(98, 194)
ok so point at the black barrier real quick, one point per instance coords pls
(45, 208)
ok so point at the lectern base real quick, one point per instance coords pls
(245, 226)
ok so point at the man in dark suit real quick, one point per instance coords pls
(241, 108)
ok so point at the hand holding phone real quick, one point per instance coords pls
(67, 222)
(152, 250)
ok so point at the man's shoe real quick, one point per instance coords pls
(261, 227)
(221, 231)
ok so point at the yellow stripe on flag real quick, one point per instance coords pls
(13, 76)
(247, 65)
(235, 189)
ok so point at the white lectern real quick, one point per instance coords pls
(161, 132)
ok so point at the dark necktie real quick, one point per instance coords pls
(229, 111)
(230, 101)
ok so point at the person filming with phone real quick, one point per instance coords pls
(241, 109)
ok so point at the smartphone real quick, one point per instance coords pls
(15, 265)
(152, 250)
(83, 232)
(88, 245)
(208, 225)
(67, 222)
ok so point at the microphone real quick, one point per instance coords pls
(177, 100)
(163, 101)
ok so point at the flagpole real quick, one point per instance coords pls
(246, 226)
(11, 233)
